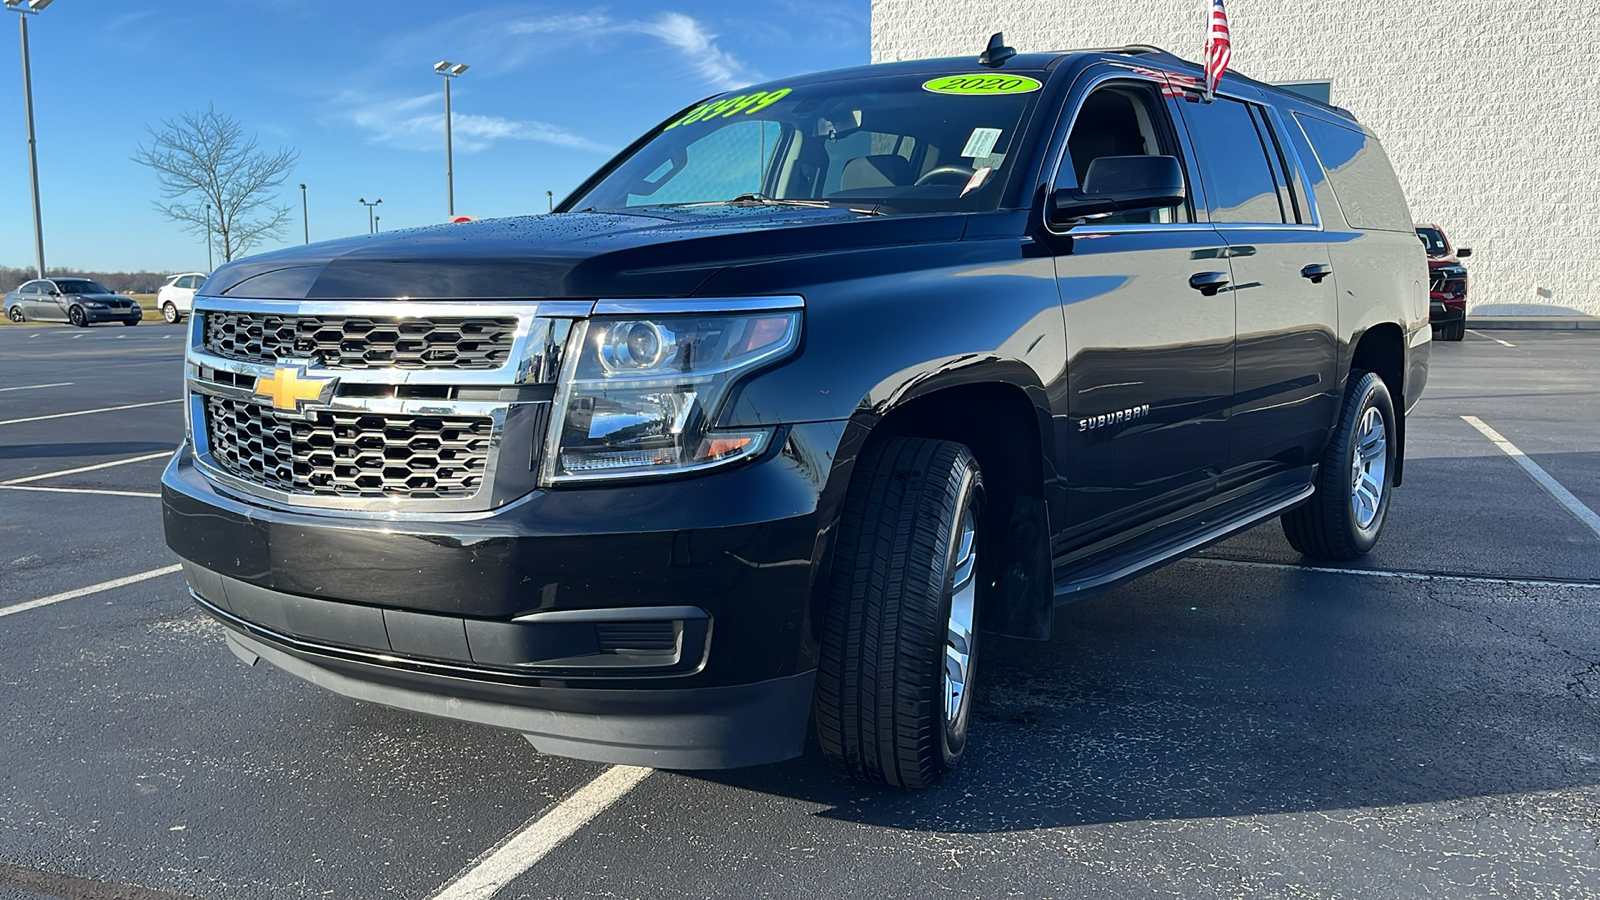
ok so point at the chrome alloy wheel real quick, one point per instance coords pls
(959, 637)
(1369, 467)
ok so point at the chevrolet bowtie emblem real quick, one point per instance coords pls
(289, 387)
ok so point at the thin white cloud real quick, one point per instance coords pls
(715, 65)
(720, 69)
(413, 123)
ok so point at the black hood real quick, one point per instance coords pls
(652, 252)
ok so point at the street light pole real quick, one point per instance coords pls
(305, 213)
(377, 224)
(31, 7)
(209, 264)
(550, 197)
(449, 71)
(372, 220)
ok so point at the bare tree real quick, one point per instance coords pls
(214, 179)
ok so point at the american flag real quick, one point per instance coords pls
(1219, 49)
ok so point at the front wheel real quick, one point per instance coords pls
(76, 316)
(1342, 519)
(130, 321)
(900, 632)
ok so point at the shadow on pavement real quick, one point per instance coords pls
(1201, 692)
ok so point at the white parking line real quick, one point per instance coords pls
(1490, 337)
(34, 387)
(86, 591)
(1404, 576)
(85, 412)
(96, 466)
(1563, 496)
(63, 490)
(501, 864)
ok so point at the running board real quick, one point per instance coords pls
(1166, 545)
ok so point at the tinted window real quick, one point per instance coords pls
(1363, 180)
(1123, 120)
(32, 287)
(81, 286)
(1240, 181)
(186, 281)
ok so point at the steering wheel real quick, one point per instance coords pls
(966, 173)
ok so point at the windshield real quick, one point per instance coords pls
(1433, 239)
(80, 286)
(893, 143)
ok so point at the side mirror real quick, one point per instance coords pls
(1122, 184)
(1463, 252)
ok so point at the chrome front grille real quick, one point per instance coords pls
(355, 407)
(349, 454)
(362, 342)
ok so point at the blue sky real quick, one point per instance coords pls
(554, 90)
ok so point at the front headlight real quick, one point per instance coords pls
(640, 394)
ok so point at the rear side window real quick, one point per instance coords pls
(1363, 180)
(1244, 180)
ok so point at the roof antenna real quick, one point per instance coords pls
(997, 52)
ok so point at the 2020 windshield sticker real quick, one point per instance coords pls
(727, 107)
(982, 85)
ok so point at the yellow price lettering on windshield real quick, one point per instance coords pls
(982, 85)
(727, 107)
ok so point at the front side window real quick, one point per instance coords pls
(902, 143)
(1242, 180)
(1120, 120)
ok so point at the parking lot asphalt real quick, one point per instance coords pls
(1238, 725)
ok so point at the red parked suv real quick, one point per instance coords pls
(1447, 284)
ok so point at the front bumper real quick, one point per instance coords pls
(93, 316)
(1445, 312)
(527, 616)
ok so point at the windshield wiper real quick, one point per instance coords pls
(764, 200)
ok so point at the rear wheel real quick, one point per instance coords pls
(170, 313)
(1342, 519)
(900, 633)
(15, 314)
(1453, 331)
(76, 316)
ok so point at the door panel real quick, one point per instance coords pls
(1150, 372)
(1286, 372)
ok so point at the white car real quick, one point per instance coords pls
(177, 295)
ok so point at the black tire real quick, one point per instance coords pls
(1455, 331)
(881, 696)
(77, 317)
(15, 314)
(130, 321)
(170, 313)
(1329, 525)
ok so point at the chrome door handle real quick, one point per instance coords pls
(1208, 283)
(1316, 272)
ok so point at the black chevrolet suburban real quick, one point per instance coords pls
(798, 398)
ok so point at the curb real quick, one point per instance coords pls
(1515, 323)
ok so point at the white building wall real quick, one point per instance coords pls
(1490, 111)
